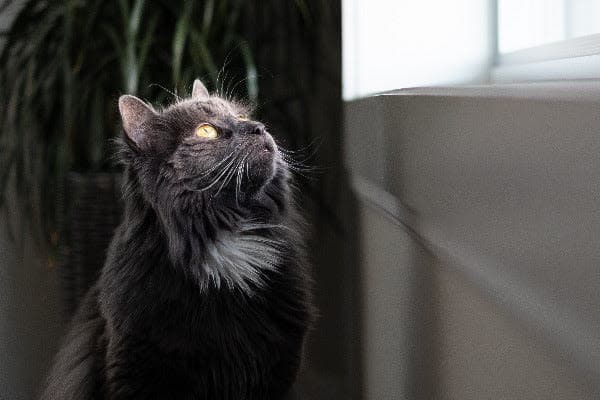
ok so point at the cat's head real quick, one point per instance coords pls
(203, 152)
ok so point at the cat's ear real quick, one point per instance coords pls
(199, 91)
(134, 112)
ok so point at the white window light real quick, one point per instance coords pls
(394, 44)
(524, 24)
(547, 40)
(391, 44)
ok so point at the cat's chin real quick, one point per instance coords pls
(263, 162)
(263, 170)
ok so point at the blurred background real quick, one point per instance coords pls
(456, 220)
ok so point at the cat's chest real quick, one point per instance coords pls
(244, 345)
(240, 261)
(225, 317)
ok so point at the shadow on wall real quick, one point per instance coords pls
(30, 317)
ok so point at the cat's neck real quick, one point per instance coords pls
(209, 244)
(158, 259)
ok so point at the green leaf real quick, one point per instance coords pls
(93, 12)
(251, 75)
(147, 41)
(124, 11)
(209, 11)
(179, 39)
(205, 58)
(135, 18)
(113, 36)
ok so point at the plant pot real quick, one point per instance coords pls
(91, 210)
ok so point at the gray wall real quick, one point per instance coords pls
(479, 248)
(30, 322)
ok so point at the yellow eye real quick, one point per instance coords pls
(206, 131)
(243, 118)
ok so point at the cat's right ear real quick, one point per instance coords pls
(199, 91)
(134, 112)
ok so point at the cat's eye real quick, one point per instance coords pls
(206, 131)
(243, 118)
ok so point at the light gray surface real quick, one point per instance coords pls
(386, 288)
(584, 90)
(514, 181)
(503, 184)
(483, 353)
(430, 334)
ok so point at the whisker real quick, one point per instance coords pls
(304, 174)
(314, 143)
(296, 161)
(229, 176)
(166, 90)
(226, 180)
(240, 169)
(218, 178)
(300, 164)
(244, 79)
(227, 91)
(208, 171)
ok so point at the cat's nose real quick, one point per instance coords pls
(257, 129)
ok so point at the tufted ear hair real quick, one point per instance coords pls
(134, 113)
(199, 91)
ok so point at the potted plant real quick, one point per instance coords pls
(63, 65)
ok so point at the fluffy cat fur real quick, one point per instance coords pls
(205, 291)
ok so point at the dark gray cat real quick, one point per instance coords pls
(205, 291)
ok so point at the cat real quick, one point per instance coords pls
(206, 291)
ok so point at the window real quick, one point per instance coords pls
(547, 40)
(393, 44)
(523, 24)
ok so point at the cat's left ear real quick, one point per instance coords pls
(134, 113)
(199, 91)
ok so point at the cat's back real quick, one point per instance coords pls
(76, 370)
